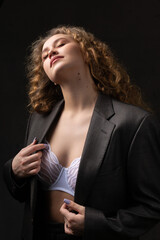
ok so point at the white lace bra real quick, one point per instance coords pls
(54, 176)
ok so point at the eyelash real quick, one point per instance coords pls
(61, 44)
(44, 57)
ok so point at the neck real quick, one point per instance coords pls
(79, 94)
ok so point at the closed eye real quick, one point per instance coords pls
(61, 44)
(44, 57)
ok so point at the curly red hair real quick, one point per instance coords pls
(107, 73)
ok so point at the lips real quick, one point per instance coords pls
(54, 59)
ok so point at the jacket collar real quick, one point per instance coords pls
(40, 124)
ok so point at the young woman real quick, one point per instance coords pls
(92, 170)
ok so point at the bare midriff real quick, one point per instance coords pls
(53, 201)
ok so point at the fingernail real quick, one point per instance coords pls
(46, 146)
(35, 139)
(67, 201)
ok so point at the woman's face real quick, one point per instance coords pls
(61, 56)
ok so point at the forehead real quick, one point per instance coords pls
(55, 37)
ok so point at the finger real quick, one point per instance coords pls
(66, 213)
(33, 165)
(26, 161)
(33, 158)
(34, 171)
(32, 168)
(33, 148)
(35, 140)
(67, 229)
(67, 223)
(74, 206)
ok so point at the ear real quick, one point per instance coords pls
(86, 57)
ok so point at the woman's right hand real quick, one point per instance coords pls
(27, 162)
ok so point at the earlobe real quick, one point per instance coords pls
(85, 57)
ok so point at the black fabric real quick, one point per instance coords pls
(51, 231)
(118, 178)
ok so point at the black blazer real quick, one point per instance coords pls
(119, 175)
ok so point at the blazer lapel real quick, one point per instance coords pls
(96, 143)
(42, 123)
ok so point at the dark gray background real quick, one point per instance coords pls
(130, 27)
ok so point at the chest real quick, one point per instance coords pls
(68, 137)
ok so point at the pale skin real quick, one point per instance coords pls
(27, 162)
(74, 223)
(67, 139)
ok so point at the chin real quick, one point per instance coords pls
(61, 72)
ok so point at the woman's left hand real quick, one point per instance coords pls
(73, 217)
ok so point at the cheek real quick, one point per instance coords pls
(74, 52)
(77, 58)
(45, 67)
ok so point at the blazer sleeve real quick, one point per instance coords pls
(18, 189)
(143, 178)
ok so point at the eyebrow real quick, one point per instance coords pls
(58, 39)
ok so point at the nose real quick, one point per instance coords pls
(51, 53)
